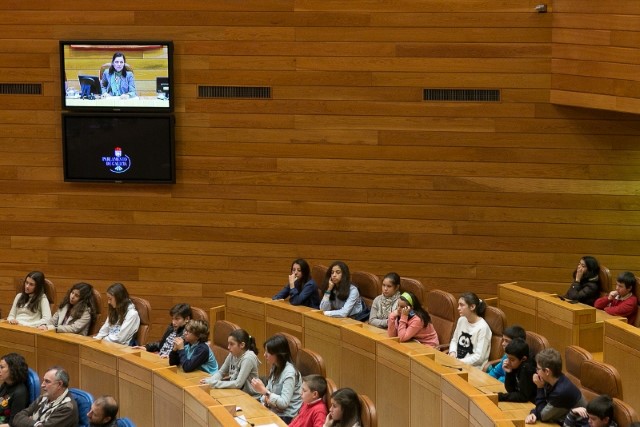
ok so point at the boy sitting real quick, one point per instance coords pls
(519, 373)
(510, 333)
(192, 352)
(556, 394)
(598, 413)
(313, 412)
(622, 301)
(180, 315)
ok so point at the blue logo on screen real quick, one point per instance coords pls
(118, 163)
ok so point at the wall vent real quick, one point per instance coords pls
(20, 89)
(461, 95)
(242, 92)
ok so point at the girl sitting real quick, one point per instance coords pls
(411, 321)
(384, 304)
(192, 351)
(341, 298)
(471, 341)
(301, 289)
(283, 392)
(240, 366)
(76, 313)
(344, 410)
(31, 306)
(123, 321)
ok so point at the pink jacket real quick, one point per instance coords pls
(407, 329)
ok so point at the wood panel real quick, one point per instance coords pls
(345, 161)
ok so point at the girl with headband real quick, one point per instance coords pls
(411, 321)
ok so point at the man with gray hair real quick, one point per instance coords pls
(54, 408)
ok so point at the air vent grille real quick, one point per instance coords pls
(242, 92)
(462, 95)
(20, 89)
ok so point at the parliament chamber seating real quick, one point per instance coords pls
(623, 413)
(536, 342)
(144, 311)
(368, 412)
(99, 318)
(497, 321)
(574, 356)
(443, 309)
(415, 287)
(368, 284)
(318, 272)
(199, 314)
(309, 362)
(221, 331)
(598, 378)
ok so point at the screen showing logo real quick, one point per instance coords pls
(118, 163)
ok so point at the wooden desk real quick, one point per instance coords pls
(20, 339)
(248, 312)
(61, 350)
(99, 366)
(281, 316)
(323, 334)
(622, 350)
(252, 410)
(457, 395)
(135, 385)
(519, 305)
(197, 401)
(220, 417)
(169, 395)
(393, 379)
(358, 358)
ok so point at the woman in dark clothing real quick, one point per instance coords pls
(586, 281)
(301, 288)
(14, 395)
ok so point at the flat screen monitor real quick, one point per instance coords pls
(121, 76)
(121, 148)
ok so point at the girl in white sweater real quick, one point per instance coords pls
(471, 341)
(31, 306)
(123, 320)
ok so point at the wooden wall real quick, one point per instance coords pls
(345, 162)
(596, 54)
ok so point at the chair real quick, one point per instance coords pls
(368, 412)
(368, 284)
(309, 362)
(84, 400)
(605, 280)
(95, 326)
(199, 314)
(294, 344)
(574, 356)
(414, 286)
(623, 413)
(33, 384)
(443, 309)
(331, 388)
(497, 321)
(536, 342)
(318, 272)
(124, 422)
(599, 378)
(144, 311)
(221, 331)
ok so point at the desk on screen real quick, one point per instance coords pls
(115, 102)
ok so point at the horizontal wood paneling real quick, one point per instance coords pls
(345, 161)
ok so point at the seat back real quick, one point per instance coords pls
(443, 309)
(536, 342)
(221, 331)
(124, 422)
(84, 400)
(368, 413)
(623, 413)
(33, 384)
(294, 344)
(605, 280)
(95, 326)
(574, 356)
(199, 314)
(318, 272)
(331, 388)
(309, 362)
(368, 284)
(144, 311)
(599, 378)
(497, 321)
(414, 286)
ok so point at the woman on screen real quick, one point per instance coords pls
(116, 80)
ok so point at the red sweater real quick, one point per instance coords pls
(626, 308)
(311, 415)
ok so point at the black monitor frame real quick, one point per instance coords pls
(109, 47)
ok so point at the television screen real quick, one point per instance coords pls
(116, 75)
(118, 148)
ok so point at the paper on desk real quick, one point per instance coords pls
(241, 420)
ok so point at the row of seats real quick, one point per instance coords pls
(307, 361)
